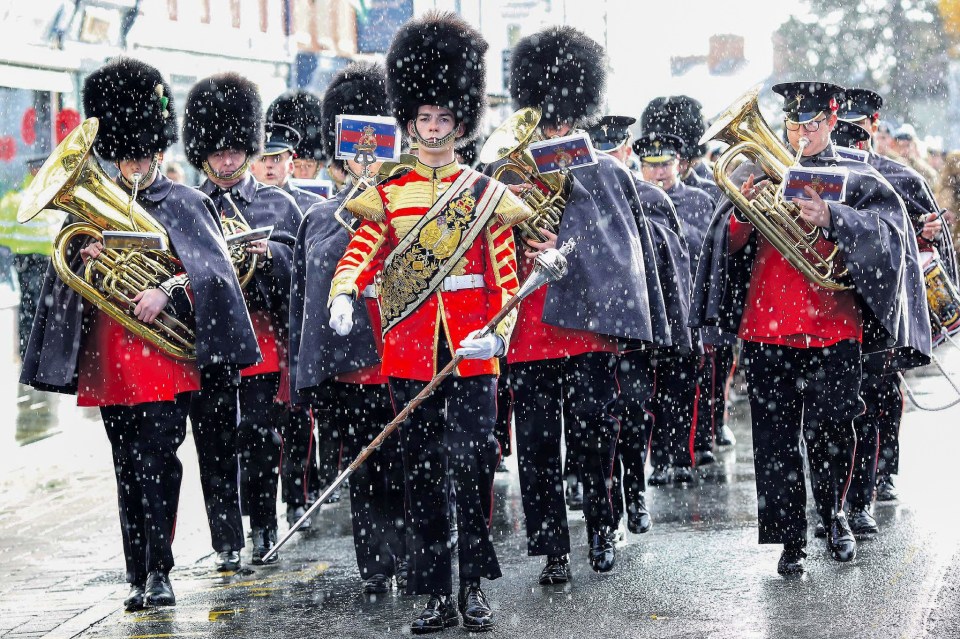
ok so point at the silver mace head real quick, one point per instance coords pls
(549, 266)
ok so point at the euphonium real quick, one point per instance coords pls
(778, 220)
(548, 197)
(70, 180)
(233, 222)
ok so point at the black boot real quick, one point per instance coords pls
(556, 570)
(401, 570)
(376, 585)
(603, 552)
(638, 517)
(862, 523)
(843, 545)
(135, 599)
(264, 539)
(886, 491)
(682, 475)
(158, 590)
(476, 613)
(660, 476)
(228, 561)
(294, 513)
(439, 613)
(791, 561)
(574, 495)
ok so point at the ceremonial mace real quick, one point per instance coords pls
(549, 266)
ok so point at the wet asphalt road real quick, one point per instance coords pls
(698, 573)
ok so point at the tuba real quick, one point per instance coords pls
(548, 197)
(233, 222)
(778, 220)
(72, 181)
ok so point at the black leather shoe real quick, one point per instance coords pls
(705, 458)
(862, 523)
(439, 613)
(135, 600)
(660, 476)
(376, 585)
(682, 475)
(725, 437)
(401, 570)
(575, 496)
(335, 496)
(603, 552)
(791, 561)
(158, 591)
(638, 517)
(886, 491)
(294, 513)
(264, 539)
(476, 613)
(556, 571)
(228, 561)
(843, 545)
(502, 466)
(820, 531)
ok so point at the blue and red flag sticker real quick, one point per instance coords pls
(323, 188)
(558, 154)
(367, 138)
(851, 154)
(829, 183)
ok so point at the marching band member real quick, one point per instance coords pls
(636, 375)
(878, 428)
(802, 342)
(300, 110)
(143, 393)
(341, 374)
(682, 116)
(440, 237)
(564, 353)
(222, 133)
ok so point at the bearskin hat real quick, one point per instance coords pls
(562, 71)
(438, 60)
(223, 111)
(678, 115)
(300, 110)
(135, 107)
(359, 89)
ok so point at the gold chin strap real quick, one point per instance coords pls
(226, 178)
(436, 144)
(144, 180)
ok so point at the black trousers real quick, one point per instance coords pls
(325, 465)
(672, 408)
(809, 393)
(260, 448)
(31, 269)
(635, 378)
(881, 394)
(449, 433)
(715, 367)
(587, 383)
(214, 419)
(144, 440)
(296, 427)
(504, 425)
(890, 397)
(376, 487)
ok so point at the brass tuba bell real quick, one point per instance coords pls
(72, 181)
(778, 220)
(548, 197)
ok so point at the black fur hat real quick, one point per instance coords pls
(223, 111)
(135, 107)
(562, 71)
(438, 60)
(359, 89)
(300, 110)
(678, 115)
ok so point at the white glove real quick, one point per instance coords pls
(474, 347)
(341, 314)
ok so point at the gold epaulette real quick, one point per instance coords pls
(368, 206)
(511, 210)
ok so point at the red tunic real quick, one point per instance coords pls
(389, 211)
(533, 340)
(784, 307)
(267, 340)
(119, 368)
